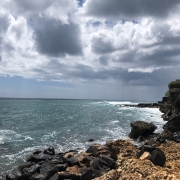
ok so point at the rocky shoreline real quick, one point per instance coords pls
(140, 105)
(157, 158)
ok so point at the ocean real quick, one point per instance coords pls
(30, 124)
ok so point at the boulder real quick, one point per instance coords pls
(108, 160)
(72, 161)
(158, 157)
(48, 170)
(98, 164)
(143, 149)
(173, 124)
(141, 128)
(97, 149)
(165, 135)
(84, 158)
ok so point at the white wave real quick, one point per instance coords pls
(28, 138)
(1, 141)
(121, 103)
(114, 122)
(6, 135)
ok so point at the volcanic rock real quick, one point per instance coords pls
(141, 128)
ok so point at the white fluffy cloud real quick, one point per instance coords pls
(133, 42)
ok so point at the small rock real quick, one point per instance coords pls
(176, 136)
(61, 167)
(145, 155)
(38, 177)
(158, 157)
(96, 148)
(140, 139)
(73, 161)
(13, 175)
(49, 151)
(91, 140)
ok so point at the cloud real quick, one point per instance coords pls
(129, 9)
(134, 43)
(55, 38)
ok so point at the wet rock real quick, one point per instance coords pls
(43, 156)
(158, 157)
(141, 128)
(72, 161)
(140, 139)
(173, 124)
(91, 140)
(32, 169)
(33, 158)
(69, 154)
(49, 151)
(151, 142)
(2, 177)
(48, 170)
(85, 158)
(99, 165)
(164, 136)
(55, 177)
(98, 149)
(61, 167)
(24, 166)
(176, 136)
(14, 175)
(108, 160)
(57, 161)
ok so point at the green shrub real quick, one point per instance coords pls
(174, 84)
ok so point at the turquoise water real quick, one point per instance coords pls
(27, 125)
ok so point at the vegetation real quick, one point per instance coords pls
(174, 84)
(167, 94)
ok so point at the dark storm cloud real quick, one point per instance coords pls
(104, 60)
(57, 39)
(99, 45)
(129, 8)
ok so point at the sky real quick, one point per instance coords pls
(89, 49)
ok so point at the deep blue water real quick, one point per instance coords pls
(27, 125)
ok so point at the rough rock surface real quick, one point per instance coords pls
(141, 128)
(129, 167)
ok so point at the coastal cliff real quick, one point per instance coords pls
(136, 163)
